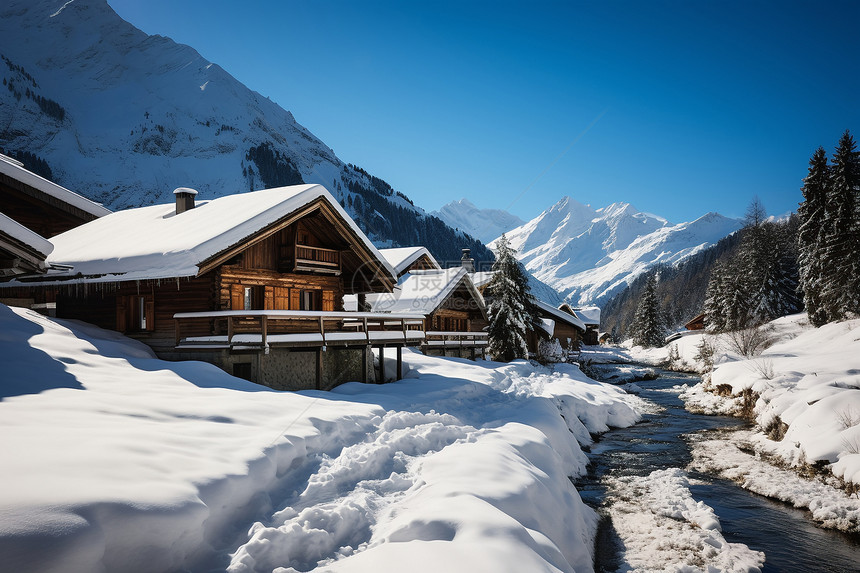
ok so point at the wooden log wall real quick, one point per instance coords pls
(285, 288)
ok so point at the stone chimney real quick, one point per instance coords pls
(467, 262)
(184, 199)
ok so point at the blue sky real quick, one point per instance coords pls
(679, 108)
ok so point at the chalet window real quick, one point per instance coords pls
(135, 313)
(247, 297)
(308, 300)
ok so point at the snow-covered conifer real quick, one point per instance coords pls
(511, 310)
(810, 237)
(715, 303)
(841, 293)
(648, 328)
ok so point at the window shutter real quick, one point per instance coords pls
(282, 298)
(270, 298)
(237, 297)
(295, 299)
(121, 313)
(149, 306)
(328, 300)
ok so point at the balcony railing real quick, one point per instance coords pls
(473, 342)
(260, 329)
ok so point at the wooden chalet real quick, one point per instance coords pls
(252, 282)
(407, 259)
(696, 323)
(556, 323)
(22, 252)
(590, 316)
(40, 205)
(455, 316)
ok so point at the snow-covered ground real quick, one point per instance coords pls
(116, 461)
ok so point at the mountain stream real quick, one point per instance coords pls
(787, 536)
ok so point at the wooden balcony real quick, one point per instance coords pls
(260, 331)
(312, 259)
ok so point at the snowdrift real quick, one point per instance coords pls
(116, 461)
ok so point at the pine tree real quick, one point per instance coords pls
(810, 237)
(512, 309)
(841, 256)
(715, 303)
(648, 329)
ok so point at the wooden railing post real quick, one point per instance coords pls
(176, 331)
(229, 330)
(264, 323)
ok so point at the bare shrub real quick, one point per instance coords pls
(749, 342)
(776, 429)
(748, 406)
(848, 417)
(852, 444)
(763, 367)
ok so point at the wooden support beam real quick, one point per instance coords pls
(229, 330)
(381, 379)
(399, 362)
(364, 354)
(263, 329)
(176, 331)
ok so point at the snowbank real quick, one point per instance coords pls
(116, 461)
(808, 387)
(732, 457)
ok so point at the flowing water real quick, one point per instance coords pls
(787, 536)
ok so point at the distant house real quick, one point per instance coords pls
(406, 259)
(696, 323)
(566, 327)
(252, 282)
(455, 312)
(590, 316)
(40, 205)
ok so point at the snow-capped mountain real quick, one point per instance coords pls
(483, 224)
(124, 118)
(590, 254)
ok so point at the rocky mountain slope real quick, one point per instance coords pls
(590, 254)
(124, 118)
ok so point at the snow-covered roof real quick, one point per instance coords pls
(560, 315)
(400, 258)
(480, 279)
(156, 243)
(423, 291)
(28, 238)
(589, 314)
(16, 170)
